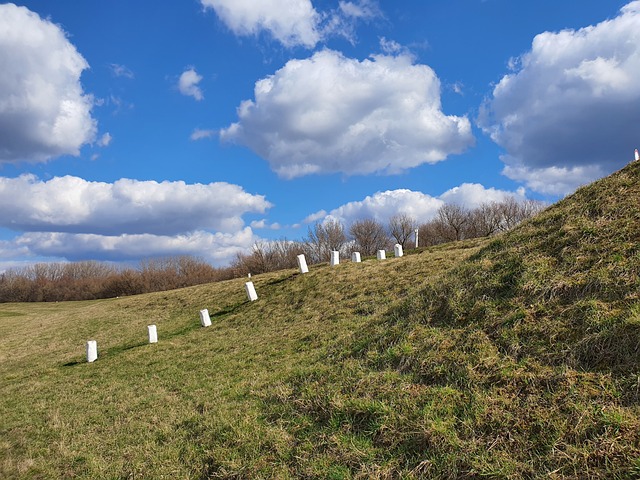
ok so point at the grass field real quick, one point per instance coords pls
(515, 357)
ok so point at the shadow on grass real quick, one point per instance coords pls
(72, 364)
(278, 281)
(195, 325)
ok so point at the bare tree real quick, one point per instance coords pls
(430, 233)
(530, 208)
(483, 221)
(514, 212)
(369, 236)
(509, 213)
(453, 219)
(87, 269)
(268, 257)
(324, 238)
(401, 227)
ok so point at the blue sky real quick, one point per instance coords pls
(136, 129)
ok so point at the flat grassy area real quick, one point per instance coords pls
(515, 357)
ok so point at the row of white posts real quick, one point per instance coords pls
(355, 257)
(152, 330)
(205, 319)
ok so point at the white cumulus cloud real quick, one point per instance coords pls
(188, 84)
(329, 113)
(556, 181)
(218, 248)
(44, 112)
(291, 22)
(381, 206)
(74, 205)
(472, 195)
(569, 112)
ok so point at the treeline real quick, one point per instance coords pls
(89, 280)
(367, 236)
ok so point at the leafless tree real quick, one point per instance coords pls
(530, 208)
(87, 269)
(268, 257)
(483, 221)
(324, 238)
(430, 233)
(453, 219)
(514, 212)
(509, 213)
(401, 228)
(369, 236)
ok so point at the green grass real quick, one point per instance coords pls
(197, 404)
(516, 358)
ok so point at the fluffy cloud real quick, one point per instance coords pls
(71, 204)
(44, 112)
(555, 181)
(471, 195)
(291, 22)
(568, 113)
(188, 84)
(383, 205)
(329, 113)
(218, 248)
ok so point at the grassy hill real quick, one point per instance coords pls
(511, 358)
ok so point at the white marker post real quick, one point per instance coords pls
(397, 250)
(355, 257)
(205, 320)
(637, 155)
(251, 291)
(382, 255)
(153, 333)
(302, 263)
(335, 258)
(92, 351)
(416, 232)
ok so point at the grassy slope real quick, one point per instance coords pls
(525, 358)
(197, 404)
(519, 362)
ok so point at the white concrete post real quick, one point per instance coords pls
(302, 263)
(382, 255)
(249, 276)
(335, 258)
(92, 351)
(153, 333)
(397, 250)
(251, 291)
(205, 320)
(637, 155)
(355, 257)
(416, 232)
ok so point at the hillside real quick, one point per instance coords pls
(510, 358)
